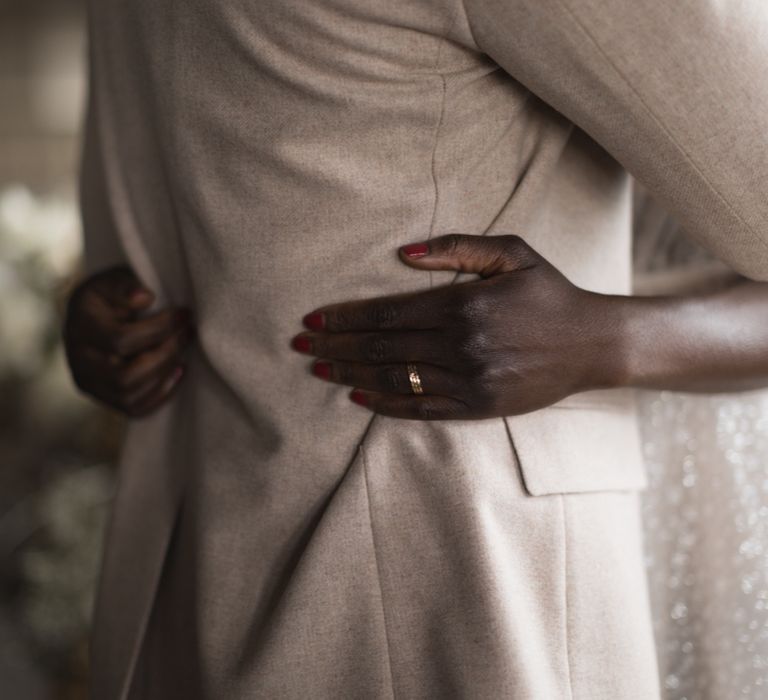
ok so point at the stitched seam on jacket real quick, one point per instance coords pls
(566, 611)
(435, 185)
(438, 127)
(433, 218)
(661, 124)
(378, 571)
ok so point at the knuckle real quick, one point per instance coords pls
(455, 409)
(338, 319)
(319, 345)
(426, 410)
(382, 315)
(119, 343)
(485, 388)
(472, 309)
(513, 240)
(453, 243)
(475, 348)
(376, 349)
(515, 245)
(390, 379)
(342, 372)
(485, 381)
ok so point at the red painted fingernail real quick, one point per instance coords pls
(416, 250)
(314, 321)
(359, 397)
(178, 373)
(301, 343)
(322, 369)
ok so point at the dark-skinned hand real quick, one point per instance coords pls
(519, 338)
(129, 360)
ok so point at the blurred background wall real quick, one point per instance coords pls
(56, 448)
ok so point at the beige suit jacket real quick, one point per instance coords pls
(255, 159)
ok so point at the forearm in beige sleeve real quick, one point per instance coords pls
(675, 91)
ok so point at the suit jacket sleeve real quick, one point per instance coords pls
(677, 91)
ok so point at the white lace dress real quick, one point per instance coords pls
(706, 510)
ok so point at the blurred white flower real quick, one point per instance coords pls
(60, 574)
(42, 231)
(40, 245)
(25, 318)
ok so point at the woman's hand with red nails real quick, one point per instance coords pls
(519, 338)
(117, 354)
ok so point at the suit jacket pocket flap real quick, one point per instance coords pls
(589, 442)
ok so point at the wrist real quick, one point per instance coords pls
(626, 339)
(607, 323)
(642, 340)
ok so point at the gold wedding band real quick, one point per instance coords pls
(413, 375)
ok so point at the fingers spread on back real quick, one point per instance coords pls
(401, 312)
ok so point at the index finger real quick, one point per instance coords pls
(121, 289)
(409, 311)
(127, 338)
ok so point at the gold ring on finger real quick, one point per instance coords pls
(413, 375)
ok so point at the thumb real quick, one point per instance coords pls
(483, 255)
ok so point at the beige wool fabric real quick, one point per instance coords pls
(257, 159)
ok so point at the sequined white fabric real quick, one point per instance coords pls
(706, 517)
(706, 508)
